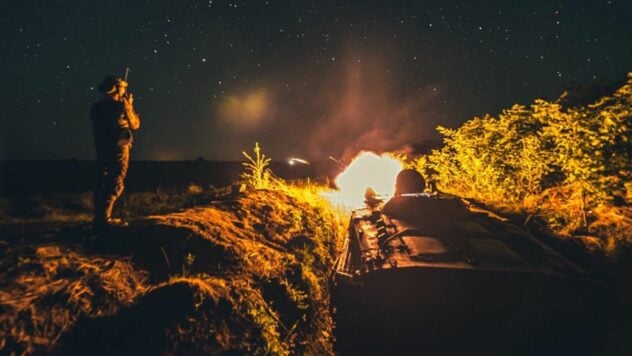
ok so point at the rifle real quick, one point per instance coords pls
(127, 70)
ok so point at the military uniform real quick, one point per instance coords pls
(113, 141)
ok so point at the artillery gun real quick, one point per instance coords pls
(432, 273)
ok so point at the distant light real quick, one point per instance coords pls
(293, 160)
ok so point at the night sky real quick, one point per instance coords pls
(308, 79)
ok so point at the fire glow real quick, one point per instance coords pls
(366, 170)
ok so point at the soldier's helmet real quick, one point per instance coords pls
(109, 84)
(409, 181)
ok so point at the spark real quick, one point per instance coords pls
(293, 160)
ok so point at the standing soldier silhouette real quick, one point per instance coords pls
(113, 119)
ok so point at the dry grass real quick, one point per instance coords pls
(604, 227)
(77, 207)
(563, 211)
(46, 288)
(263, 292)
(285, 241)
(614, 224)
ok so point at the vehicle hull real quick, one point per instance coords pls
(455, 311)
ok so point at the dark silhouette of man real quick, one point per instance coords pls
(429, 212)
(113, 119)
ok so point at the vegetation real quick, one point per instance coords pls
(230, 270)
(256, 172)
(569, 166)
(45, 289)
(209, 272)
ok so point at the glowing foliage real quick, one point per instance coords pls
(257, 174)
(560, 162)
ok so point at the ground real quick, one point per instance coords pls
(242, 272)
(197, 271)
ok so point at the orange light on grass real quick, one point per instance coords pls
(367, 169)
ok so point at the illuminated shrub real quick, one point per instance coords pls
(549, 159)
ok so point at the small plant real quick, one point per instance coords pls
(257, 174)
(188, 263)
(194, 189)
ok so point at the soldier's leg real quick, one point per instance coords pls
(100, 192)
(118, 172)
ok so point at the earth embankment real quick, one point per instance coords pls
(245, 273)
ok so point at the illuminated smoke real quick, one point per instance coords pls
(245, 110)
(370, 107)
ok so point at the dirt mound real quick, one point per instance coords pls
(245, 274)
(137, 329)
(44, 289)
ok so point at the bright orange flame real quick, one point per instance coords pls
(367, 169)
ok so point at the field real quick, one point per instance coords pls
(209, 264)
(248, 268)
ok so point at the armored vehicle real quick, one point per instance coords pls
(431, 273)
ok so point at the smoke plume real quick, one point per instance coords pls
(370, 105)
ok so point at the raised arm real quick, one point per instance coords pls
(130, 113)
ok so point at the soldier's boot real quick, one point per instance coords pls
(113, 222)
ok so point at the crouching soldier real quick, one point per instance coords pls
(113, 119)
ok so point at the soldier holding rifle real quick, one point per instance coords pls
(113, 120)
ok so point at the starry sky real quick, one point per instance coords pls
(306, 79)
